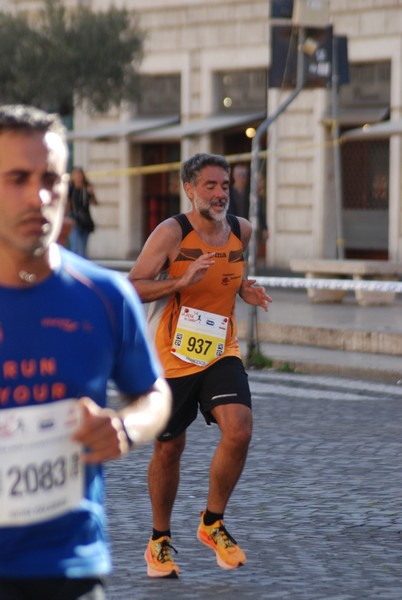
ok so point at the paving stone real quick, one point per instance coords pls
(317, 510)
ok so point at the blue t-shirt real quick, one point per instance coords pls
(67, 337)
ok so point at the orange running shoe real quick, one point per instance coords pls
(216, 537)
(159, 559)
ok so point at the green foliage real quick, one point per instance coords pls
(258, 360)
(286, 368)
(62, 59)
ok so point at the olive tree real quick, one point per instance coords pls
(60, 58)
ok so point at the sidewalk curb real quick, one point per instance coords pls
(335, 338)
(350, 372)
(323, 361)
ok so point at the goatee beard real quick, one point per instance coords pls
(204, 212)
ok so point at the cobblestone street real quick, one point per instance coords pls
(317, 510)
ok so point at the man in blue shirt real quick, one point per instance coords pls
(67, 328)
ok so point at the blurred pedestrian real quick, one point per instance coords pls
(240, 191)
(263, 231)
(67, 328)
(81, 196)
(240, 198)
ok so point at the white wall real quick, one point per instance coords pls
(196, 37)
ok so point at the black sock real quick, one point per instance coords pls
(157, 534)
(210, 517)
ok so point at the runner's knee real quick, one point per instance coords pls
(170, 451)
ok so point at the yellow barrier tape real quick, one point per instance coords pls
(231, 158)
(164, 167)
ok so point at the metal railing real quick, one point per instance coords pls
(293, 282)
(290, 283)
(331, 284)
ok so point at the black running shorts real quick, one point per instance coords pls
(224, 382)
(52, 588)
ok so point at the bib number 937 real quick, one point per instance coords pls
(198, 345)
(200, 336)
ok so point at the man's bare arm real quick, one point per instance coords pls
(251, 294)
(161, 248)
(108, 434)
(146, 416)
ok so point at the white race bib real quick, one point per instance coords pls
(41, 474)
(200, 336)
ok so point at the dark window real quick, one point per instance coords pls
(237, 91)
(365, 175)
(369, 85)
(161, 190)
(159, 95)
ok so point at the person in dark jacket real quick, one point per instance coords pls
(80, 197)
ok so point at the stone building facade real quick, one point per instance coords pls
(204, 82)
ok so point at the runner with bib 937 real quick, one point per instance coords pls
(191, 269)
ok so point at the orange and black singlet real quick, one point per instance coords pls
(215, 294)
